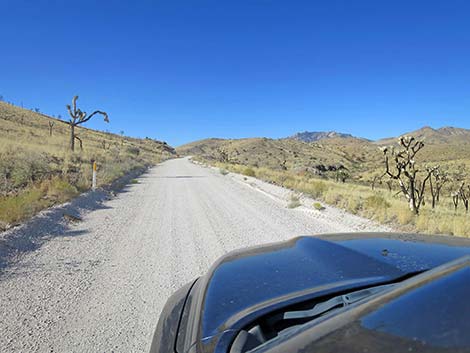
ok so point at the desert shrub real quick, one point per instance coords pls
(376, 202)
(15, 208)
(318, 206)
(318, 188)
(249, 172)
(58, 190)
(84, 179)
(135, 151)
(18, 168)
(294, 201)
(461, 226)
(109, 170)
(404, 216)
(422, 223)
(333, 197)
(353, 203)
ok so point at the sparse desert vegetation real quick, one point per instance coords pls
(37, 168)
(380, 204)
(413, 183)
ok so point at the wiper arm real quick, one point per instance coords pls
(333, 303)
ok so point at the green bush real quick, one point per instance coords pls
(19, 168)
(318, 206)
(16, 208)
(60, 190)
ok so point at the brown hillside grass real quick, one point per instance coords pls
(38, 170)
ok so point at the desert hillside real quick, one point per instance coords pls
(281, 154)
(447, 146)
(37, 168)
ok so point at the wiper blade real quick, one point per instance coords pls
(334, 303)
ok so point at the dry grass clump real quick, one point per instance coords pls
(294, 201)
(249, 172)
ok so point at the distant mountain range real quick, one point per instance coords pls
(445, 134)
(446, 146)
(312, 136)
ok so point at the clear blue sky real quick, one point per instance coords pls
(185, 70)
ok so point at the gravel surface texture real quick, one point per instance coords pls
(99, 284)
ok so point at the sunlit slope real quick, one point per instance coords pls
(30, 130)
(447, 146)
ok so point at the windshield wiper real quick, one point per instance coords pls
(334, 303)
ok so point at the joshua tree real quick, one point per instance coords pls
(342, 175)
(376, 180)
(223, 156)
(78, 117)
(436, 182)
(457, 178)
(51, 125)
(463, 193)
(103, 144)
(79, 141)
(465, 196)
(400, 165)
(455, 199)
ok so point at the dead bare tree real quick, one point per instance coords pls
(436, 182)
(51, 125)
(79, 117)
(405, 172)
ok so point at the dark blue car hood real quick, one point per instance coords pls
(246, 284)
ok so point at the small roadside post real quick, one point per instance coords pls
(93, 181)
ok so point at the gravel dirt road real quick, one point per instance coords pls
(99, 285)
